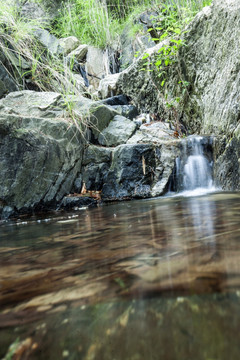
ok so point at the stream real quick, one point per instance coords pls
(140, 280)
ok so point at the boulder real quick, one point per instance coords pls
(79, 53)
(53, 105)
(97, 65)
(32, 103)
(156, 132)
(49, 41)
(129, 111)
(94, 113)
(7, 82)
(69, 44)
(39, 161)
(139, 171)
(119, 130)
(109, 86)
(95, 167)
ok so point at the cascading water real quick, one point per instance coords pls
(193, 174)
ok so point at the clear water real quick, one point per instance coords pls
(141, 280)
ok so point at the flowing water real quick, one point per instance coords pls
(193, 175)
(141, 280)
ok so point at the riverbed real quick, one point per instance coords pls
(138, 280)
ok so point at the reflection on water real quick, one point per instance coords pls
(153, 279)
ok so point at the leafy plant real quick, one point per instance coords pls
(171, 22)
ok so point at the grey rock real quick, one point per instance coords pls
(118, 131)
(97, 66)
(77, 186)
(109, 86)
(39, 161)
(78, 83)
(94, 176)
(79, 53)
(97, 155)
(97, 115)
(6, 212)
(34, 11)
(32, 103)
(139, 171)
(49, 41)
(96, 163)
(44, 11)
(7, 82)
(69, 44)
(129, 111)
(154, 133)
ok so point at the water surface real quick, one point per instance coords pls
(141, 280)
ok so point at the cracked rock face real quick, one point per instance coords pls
(39, 160)
(139, 171)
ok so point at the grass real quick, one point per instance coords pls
(100, 22)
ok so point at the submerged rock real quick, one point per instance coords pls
(70, 202)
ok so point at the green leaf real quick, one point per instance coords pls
(158, 63)
(162, 83)
(177, 31)
(145, 56)
(161, 49)
(163, 36)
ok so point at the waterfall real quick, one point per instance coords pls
(193, 173)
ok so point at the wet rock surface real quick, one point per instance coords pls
(71, 202)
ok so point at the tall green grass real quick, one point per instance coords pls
(99, 22)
